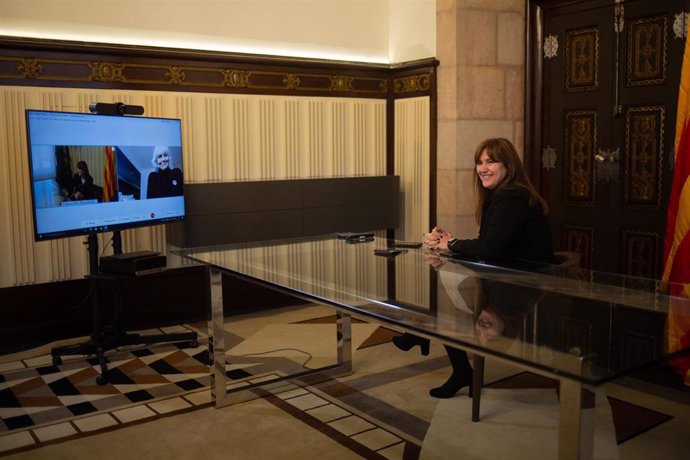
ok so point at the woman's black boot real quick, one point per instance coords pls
(406, 341)
(459, 379)
(452, 386)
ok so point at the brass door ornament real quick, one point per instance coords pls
(680, 25)
(550, 47)
(548, 158)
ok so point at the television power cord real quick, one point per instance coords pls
(304, 364)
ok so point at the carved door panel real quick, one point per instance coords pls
(611, 74)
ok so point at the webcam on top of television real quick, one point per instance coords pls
(116, 108)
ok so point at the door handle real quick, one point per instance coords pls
(607, 164)
(610, 156)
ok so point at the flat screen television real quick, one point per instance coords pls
(97, 173)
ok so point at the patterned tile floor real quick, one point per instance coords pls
(36, 392)
(42, 404)
(307, 404)
(380, 411)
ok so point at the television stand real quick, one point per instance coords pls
(109, 337)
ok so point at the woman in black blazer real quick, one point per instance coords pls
(82, 187)
(513, 227)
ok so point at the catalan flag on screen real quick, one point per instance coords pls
(677, 240)
(109, 175)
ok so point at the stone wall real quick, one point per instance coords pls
(481, 49)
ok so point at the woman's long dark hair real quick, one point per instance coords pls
(509, 302)
(502, 150)
(84, 167)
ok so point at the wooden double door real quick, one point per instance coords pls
(604, 148)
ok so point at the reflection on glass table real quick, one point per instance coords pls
(580, 327)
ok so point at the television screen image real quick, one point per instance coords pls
(97, 173)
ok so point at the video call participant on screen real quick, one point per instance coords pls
(165, 180)
(513, 226)
(82, 188)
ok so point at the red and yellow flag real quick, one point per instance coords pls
(677, 241)
(109, 175)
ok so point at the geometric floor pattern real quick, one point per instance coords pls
(629, 420)
(359, 434)
(43, 404)
(39, 395)
(313, 407)
(46, 404)
(524, 420)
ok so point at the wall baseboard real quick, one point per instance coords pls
(43, 313)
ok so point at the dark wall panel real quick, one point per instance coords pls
(356, 218)
(238, 197)
(208, 230)
(235, 212)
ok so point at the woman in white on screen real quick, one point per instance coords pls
(166, 180)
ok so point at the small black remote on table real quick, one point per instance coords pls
(407, 244)
(388, 252)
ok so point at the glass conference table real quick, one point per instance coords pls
(579, 327)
